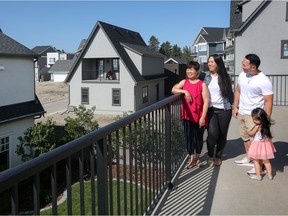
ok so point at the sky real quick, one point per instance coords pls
(63, 24)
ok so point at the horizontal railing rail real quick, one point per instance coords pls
(126, 166)
(280, 90)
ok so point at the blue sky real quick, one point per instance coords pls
(63, 24)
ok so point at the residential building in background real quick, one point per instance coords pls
(48, 56)
(116, 72)
(19, 105)
(210, 40)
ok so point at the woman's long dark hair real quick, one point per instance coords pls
(224, 80)
(265, 121)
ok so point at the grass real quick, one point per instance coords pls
(62, 208)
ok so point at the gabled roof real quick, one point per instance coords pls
(10, 47)
(252, 17)
(176, 60)
(42, 50)
(22, 110)
(119, 38)
(142, 50)
(61, 66)
(212, 34)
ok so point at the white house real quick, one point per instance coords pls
(116, 72)
(261, 27)
(19, 105)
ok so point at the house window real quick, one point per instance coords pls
(52, 60)
(145, 94)
(115, 64)
(287, 11)
(84, 95)
(116, 97)
(284, 49)
(202, 47)
(4, 153)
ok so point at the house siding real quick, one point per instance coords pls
(19, 81)
(136, 59)
(151, 93)
(14, 130)
(263, 37)
(152, 66)
(100, 47)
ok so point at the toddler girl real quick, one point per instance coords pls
(262, 149)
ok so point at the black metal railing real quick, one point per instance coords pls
(126, 165)
(280, 90)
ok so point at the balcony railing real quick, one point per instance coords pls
(280, 90)
(127, 165)
(100, 76)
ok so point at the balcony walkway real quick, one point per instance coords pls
(227, 190)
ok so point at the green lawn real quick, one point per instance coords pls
(62, 208)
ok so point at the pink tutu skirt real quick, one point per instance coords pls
(262, 150)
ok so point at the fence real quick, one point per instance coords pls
(280, 90)
(122, 168)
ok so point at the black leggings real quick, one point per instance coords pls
(193, 137)
(219, 120)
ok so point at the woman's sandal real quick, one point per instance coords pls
(190, 164)
(199, 163)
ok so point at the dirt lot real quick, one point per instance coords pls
(54, 91)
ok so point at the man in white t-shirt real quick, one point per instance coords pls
(254, 89)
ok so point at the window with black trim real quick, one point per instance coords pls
(286, 11)
(116, 97)
(115, 64)
(84, 95)
(284, 49)
(4, 153)
(145, 94)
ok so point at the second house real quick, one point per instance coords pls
(116, 72)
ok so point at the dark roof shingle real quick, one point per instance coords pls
(10, 47)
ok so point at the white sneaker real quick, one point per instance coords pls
(242, 161)
(254, 177)
(253, 171)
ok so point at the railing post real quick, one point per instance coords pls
(168, 146)
(101, 152)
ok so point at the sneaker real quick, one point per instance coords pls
(242, 161)
(253, 171)
(270, 177)
(254, 177)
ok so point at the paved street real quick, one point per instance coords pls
(55, 107)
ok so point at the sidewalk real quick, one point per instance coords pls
(227, 190)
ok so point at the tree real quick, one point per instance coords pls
(187, 53)
(154, 43)
(166, 49)
(37, 140)
(176, 51)
(81, 125)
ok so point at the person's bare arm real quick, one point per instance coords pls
(206, 100)
(236, 101)
(268, 104)
(178, 89)
(253, 131)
